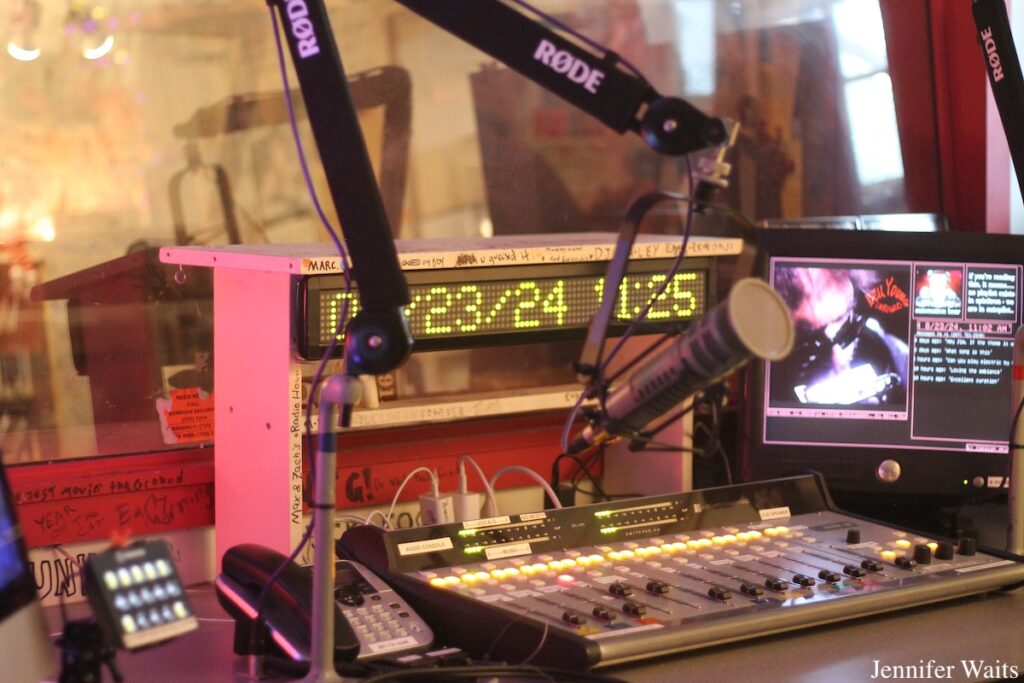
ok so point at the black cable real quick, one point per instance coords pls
(583, 467)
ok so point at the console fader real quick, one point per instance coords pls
(604, 584)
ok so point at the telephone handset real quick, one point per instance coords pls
(370, 619)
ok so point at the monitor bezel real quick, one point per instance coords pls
(21, 590)
(851, 471)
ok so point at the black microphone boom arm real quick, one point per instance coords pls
(584, 74)
(587, 76)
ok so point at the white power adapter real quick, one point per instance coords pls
(436, 508)
(467, 506)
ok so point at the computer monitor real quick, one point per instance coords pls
(27, 652)
(900, 379)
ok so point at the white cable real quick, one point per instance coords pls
(384, 518)
(491, 509)
(527, 471)
(434, 482)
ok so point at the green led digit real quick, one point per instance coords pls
(654, 282)
(684, 303)
(554, 303)
(527, 297)
(470, 299)
(439, 303)
(623, 301)
(334, 307)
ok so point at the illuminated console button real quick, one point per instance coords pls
(512, 571)
(180, 610)
(128, 624)
(902, 543)
(803, 580)
(110, 578)
(604, 614)
(137, 575)
(888, 555)
(149, 569)
(438, 582)
(566, 579)
(124, 577)
(163, 568)
(830, 576)
(854, 571)
(620, 589)
(776, 584)
(634, 609)
(751, 589)
(498, 574)
(872, 565)
(657, 587)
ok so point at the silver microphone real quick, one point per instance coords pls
(752, 321)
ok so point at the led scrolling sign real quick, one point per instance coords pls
(476, 306)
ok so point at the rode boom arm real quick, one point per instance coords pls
(592, 79)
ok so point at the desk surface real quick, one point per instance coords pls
(988, 627)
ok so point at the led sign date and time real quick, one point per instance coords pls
(460, 312)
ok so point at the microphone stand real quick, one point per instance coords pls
(339, 393)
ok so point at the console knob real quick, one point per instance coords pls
(853, 535)
(944, 551)
(922, 554)
(967, 546)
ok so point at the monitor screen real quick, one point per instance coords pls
(899, 380)
(28, 654)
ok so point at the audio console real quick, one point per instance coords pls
(604, 584)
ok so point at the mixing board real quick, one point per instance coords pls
(604, 584)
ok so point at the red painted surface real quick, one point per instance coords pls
(92, 499)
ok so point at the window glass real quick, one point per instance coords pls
(132, 124)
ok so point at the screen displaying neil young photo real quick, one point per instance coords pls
(852, 327)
